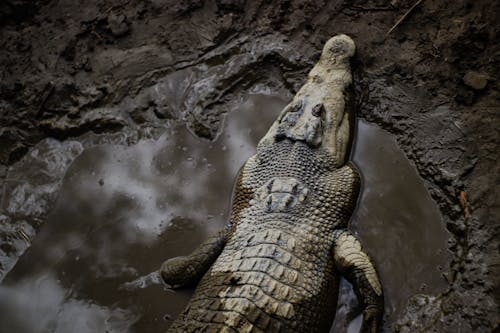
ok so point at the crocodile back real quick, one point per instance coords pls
(276, 272)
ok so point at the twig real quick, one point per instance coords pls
(398, 22)
(465, 206)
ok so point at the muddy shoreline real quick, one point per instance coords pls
(125, 70)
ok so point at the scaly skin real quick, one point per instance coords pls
(276, 267)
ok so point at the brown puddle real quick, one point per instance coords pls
(399, 224)
(123, 210)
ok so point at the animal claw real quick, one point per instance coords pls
(143, 282)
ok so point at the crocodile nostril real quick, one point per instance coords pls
(297, 106)
(318, 110)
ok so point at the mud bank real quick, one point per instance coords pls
(125, 70)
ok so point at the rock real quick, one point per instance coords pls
(475, 80)
(118, 25)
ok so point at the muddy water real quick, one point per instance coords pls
(399, 224)
(123, 210)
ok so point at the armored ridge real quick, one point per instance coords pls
(276, 267)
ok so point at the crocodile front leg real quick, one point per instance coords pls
(187, 270)
(356, 267)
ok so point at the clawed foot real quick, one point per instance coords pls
(371, 320)
(146, 281)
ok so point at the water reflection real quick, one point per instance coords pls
(123, 210)
(40, 303)
(399, 224)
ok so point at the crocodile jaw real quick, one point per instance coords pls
(320, 113)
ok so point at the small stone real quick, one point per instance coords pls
(118, 25)
(475, 80)
(101, 182)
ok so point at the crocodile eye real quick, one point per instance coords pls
(318, 110)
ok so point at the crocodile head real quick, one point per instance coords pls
(321, 115)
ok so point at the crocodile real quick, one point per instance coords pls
(277, 264)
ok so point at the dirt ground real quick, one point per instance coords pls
(69, 67)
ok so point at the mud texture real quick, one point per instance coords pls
(125, 69)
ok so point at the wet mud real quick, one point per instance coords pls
(123, 210)
(79, 75)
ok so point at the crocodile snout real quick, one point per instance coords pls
(321, 114)
(302, 124)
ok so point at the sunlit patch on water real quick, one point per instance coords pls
(41, 304)
(123, 210)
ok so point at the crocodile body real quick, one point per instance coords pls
(277, 266)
